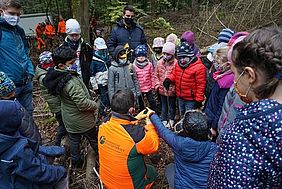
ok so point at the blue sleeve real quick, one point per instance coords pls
(112, 41)
(93, 68)
(34, 169)
(169, 137)
(51, 151)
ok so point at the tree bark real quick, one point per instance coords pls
(83, 18)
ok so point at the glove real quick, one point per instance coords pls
(198, 105)
(166, 83)
(149, 113)
(141, 115)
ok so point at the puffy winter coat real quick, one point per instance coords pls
(162, 71)
(121, 35)
(216, 98)
(22, 165)
(249, 155)
(145, 77)
(122, 77)
(15, 61)
(190, 82)
(54, 102)
(79, 111)
(192, 158)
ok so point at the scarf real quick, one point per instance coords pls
(141, 65)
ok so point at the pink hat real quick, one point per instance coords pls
(236, 36)
(169, 48)
(229, 54)
(171, 38)
(188, 37)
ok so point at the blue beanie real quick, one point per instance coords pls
(6, 85)
(225, 35)
(184, 50)
(140, 50)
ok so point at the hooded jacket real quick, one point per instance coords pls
(15, 61)
(22, 165)
(121, 35)
(192, 158)
(122, 76)
(79, 111)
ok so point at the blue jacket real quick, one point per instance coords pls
(22, 162)
(121, 35)
(15, 61)
(249, 153)
(192, 158)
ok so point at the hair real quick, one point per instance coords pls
(63, 54)
(261, 50)
(128, 8)
(195, 125)
(122, 101)
(4, 4)
(221, 54)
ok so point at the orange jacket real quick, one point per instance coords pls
(39, 30)
(122, 144)
(49, 30)
(62, 27)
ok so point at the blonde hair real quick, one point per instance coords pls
(221, 55)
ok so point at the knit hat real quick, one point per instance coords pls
(45, 57)
(225, 35)
(140, 50)
(229, 53)
(236, 36)
(169, 48)
(100, 43)
(72, 26)
(188, 37)
(184, 50)
(6, 85)
(158, 42)
(171, 38)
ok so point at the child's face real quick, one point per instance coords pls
(68, 64)
(122, 55)
(141, 58)
(158, 50)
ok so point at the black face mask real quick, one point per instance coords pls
(128, 21)
(158, 50)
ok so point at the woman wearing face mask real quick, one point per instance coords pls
(162, 71)
(82, 48)
(223, 77)
(249, 154)
(121, 75)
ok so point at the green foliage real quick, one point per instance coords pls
(159, 23)
(50, 120)
(164, 3)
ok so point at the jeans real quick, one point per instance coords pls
(24, 96)
(104, 99)
(169, 174)
(61, 130)
(75, 139)
(171, 107)
(185, 105)
(150, 98)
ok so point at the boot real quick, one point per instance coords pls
(164, 123)
(170, 124)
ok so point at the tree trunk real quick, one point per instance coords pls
(83, 18)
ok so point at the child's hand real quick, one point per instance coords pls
(149, 113)
(141, 115)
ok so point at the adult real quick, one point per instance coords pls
(62, 27)
(82, 48)
(15, 60)
(126, 32)
(249, 154)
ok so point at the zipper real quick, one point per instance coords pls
(181, 81)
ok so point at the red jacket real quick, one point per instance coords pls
(190, 82)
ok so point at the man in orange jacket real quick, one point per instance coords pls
(39, 30)
(62, 27)
(122, 145)
(50, 33)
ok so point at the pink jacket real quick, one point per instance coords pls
(163, 71)
(145, 77)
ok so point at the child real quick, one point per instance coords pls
(28, 128)
(157, 55)
(79, 111)
(189, 77)
(99, 73)
(54, 102)
(122, 76)
(23, 164)
(189, 38)
(173, 39)
(123, 145)
(145, 74)
(193, 151)
(223, 77)
(249, 155)
(163, 70)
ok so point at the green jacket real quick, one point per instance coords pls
(79, 111)
(54, 102)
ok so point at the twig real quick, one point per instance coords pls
(234, 12)
(214, 11)
(205, 33)
(220, 21)
(243, 16)
(261, 10)
(98, 177)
